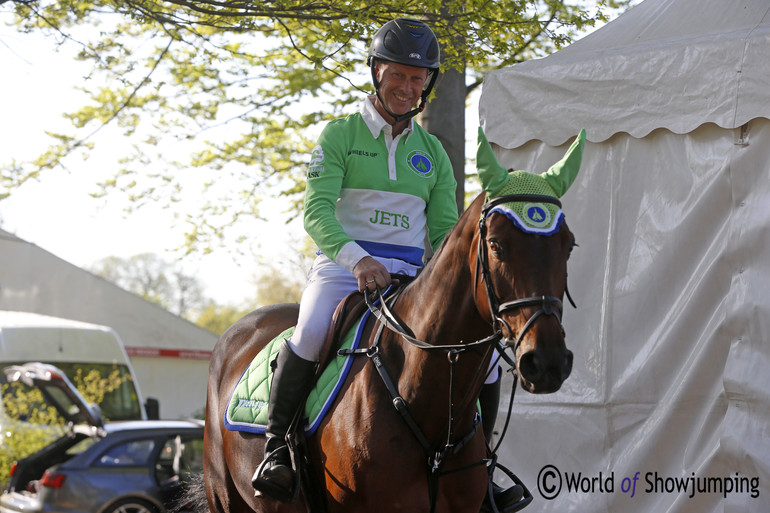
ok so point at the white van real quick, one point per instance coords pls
(72, 345)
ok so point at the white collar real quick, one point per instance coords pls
(374, 120)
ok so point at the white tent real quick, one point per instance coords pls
(671, 211)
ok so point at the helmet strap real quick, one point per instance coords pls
(398, 118)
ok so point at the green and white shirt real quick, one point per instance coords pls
(369, 194)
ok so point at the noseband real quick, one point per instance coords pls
(549, 305)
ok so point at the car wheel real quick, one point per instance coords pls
(132, 505)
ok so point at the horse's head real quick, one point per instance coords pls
(521, 262)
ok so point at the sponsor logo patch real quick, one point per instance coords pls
(420, 163)
(316, 165)
(537, 215)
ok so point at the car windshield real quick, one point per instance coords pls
(120, 401)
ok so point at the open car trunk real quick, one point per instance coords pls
(28, 471)
(60, 393)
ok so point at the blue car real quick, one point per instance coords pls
(97, 467)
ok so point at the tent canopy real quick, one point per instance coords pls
(671, 211)
(670, 64)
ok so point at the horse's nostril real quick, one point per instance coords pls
(529, 366)
(545, 374)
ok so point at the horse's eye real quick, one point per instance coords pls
(494, 247)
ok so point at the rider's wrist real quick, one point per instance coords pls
(349, 256)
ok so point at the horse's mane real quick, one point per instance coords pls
(465, 218)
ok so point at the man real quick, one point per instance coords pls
(377, 185)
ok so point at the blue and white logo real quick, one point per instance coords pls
(421, 163)
(537, 215)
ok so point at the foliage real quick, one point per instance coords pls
(163, 283)
(21, 439)
(217, 318)
(93, 386)
(154, 279)
(223, 100)
(275, 288)
(25, 411)
(272, 286)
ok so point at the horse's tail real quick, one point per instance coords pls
(192, 498)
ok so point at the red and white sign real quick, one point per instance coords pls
(157, 352)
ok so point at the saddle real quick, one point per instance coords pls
(247, 408)
(346, 315)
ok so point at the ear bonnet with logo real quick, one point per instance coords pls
(543, 218)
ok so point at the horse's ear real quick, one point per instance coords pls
(492, 174)
(561, 175)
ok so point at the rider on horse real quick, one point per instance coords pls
(377, 184)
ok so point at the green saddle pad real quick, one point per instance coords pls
(247, 409)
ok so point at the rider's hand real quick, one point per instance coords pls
(369, 272)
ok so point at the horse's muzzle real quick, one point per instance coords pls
(541, 374)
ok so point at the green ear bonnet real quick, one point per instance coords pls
(531, 215)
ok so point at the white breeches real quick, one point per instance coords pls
(327, 285)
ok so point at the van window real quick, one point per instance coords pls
(121, 402)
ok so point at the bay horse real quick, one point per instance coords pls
(489, 281)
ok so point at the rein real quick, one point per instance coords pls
(386, 316)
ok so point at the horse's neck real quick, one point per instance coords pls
(439, 308)
(440, 303)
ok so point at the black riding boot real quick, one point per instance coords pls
(489, 402)
(274, 478)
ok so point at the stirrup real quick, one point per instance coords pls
(522, 503)
(269, 490)
(502, 500)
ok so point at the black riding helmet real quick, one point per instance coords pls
(409, 42)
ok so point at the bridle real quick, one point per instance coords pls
(549, 305)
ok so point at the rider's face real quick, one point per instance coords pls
(400, 85)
